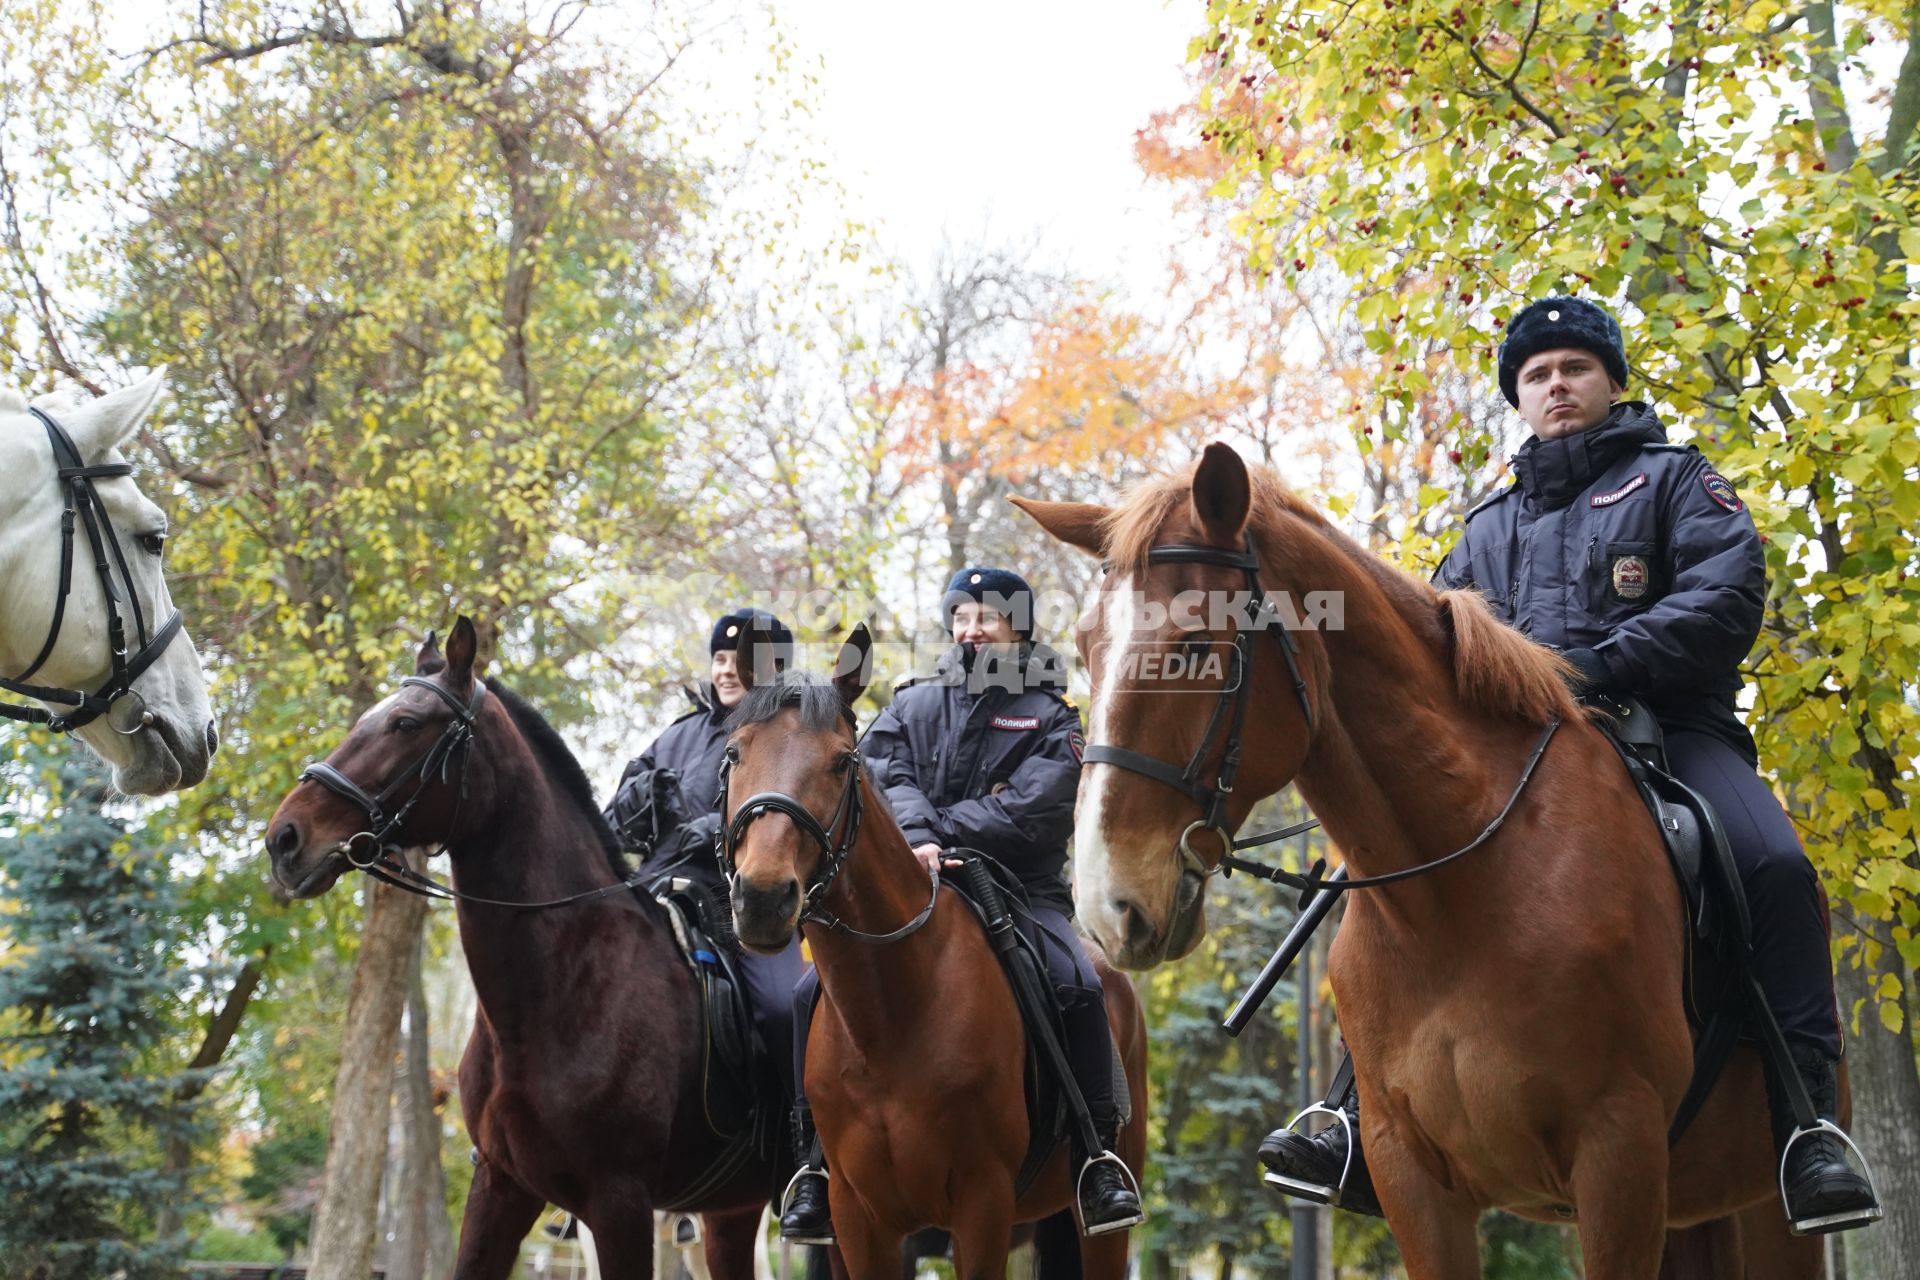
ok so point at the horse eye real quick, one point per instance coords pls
(152, 543)
(1196, 645)
(405, 724)
(733, 754)
(846, 764)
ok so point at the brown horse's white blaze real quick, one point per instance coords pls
(1126, 889)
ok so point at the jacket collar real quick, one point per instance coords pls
(1555, 472)
(1027, 666)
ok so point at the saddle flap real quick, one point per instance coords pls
(735, 1058)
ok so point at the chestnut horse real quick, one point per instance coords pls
(1516, 1017)
(916, 1061)
(582, 1081)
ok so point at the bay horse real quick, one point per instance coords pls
(1516, 1017)
(916, 1062)
(582, 1081)
(88, 631)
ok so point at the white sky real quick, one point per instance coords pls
(996, 120)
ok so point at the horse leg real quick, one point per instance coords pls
(621, 1215)
(499, 1214)
(1775, 1253)
(867, 1251)
(1436, 1228)
(1706, 1251)
(983, 1236)
(1620, 1188)
(730, 1238)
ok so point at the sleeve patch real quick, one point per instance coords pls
(1720, 489)
(1078, 742)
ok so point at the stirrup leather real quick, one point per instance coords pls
(1312, 1191)
(1080, 1186)
(1855, 1217)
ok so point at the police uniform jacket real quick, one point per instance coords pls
(1615, 540)
(986, 755)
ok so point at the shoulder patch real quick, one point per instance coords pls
(1608, 499)
(1484, 504)
(1077, 743)
(1720, 489)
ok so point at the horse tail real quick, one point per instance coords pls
(1056, 1247)
(1709, 1251)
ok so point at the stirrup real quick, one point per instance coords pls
(1079, 1186)
(786, 1201)
(1832, 1221)
(1315, 1192)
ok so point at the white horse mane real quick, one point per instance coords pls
(16, 401)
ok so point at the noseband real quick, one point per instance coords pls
(125, 710)
(1229, 711)
(846, 816)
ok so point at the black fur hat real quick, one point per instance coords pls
(1552, 323)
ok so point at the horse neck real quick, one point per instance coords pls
(881, 887)
(29, 545)
(1401, 770)
(532, 843)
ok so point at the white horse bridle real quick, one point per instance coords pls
(125, 710)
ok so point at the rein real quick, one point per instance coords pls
(125, 710)
(1231, 710)
(846, 815)
(380, 862)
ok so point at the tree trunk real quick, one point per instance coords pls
(343, 1229)
(213, 1047)
(423, 1236)
(1886, 1124)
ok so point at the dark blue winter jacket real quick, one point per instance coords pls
(986, 757)
(1616, 541)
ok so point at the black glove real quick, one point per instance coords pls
(1594, 676)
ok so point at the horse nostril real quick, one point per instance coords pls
(213, 738)
(285, 842)
(1139, 932)
(776, 902)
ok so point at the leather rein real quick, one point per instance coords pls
(437, 765)
(1230, 712)
(125, 710)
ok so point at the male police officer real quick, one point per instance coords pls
(1639, 562)
(985, 754)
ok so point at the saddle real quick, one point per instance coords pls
(744, 1100)
(995, 896)
(1716, 976)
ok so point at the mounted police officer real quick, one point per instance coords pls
(985, 754)
(665, 811)
(1638, 562)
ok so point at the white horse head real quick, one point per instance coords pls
(170, 746)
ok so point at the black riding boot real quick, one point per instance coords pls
(1109, 1199)
(1823, 1192)
(804, 1217)
(1311, 1168)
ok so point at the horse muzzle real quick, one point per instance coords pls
(765, 916)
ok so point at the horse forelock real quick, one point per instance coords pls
(1495, 669)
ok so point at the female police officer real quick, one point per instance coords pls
(985, 754)
(1638, 561)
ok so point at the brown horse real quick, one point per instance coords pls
(916, 1060)
(1516, 1018)
(582, 1081)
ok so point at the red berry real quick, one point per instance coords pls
(1453, 456)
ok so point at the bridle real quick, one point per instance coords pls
(1231, 710)
(445, 763)
(117, 700)
(834, 854)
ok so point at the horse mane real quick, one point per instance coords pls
(12, 401)
(564, 768)
(1496, 670)
(814, 696)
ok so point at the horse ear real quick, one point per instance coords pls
(1222, 495)
(429, 659)
(105, 424)
(463, 649)
(853, 669)
(755, 654)
(1078, 524)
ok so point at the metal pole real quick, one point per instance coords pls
(1306, 1217)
